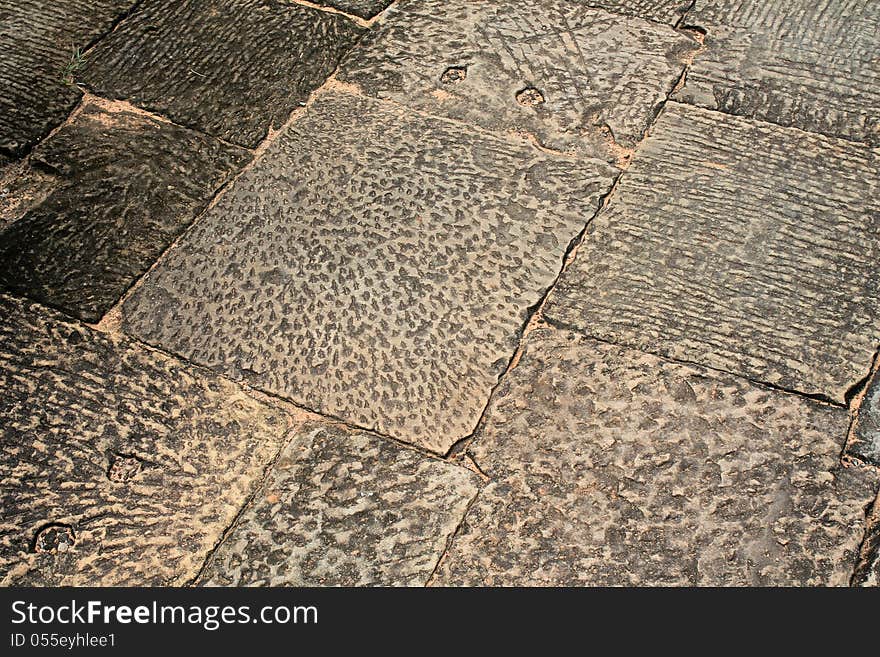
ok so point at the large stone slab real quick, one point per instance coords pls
(38, 58)
(364, 8)
(375, 265)
(573, 76)
(866, 430)
(119, 466)
(663, 11)
(740, 245)
(805, 63)
(613, 467)
(126, 186)
(344, 508)
(232, 68)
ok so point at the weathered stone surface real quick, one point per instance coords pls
(38, 42)
(740, 245)
(866, 443)
(599, 77)
(345, 509)
(868, 571)
(805, 63)
(232, 68)
(663, 11)
(363, 8)
(119, 466)
(126, 186)
(374, 264)
(613, 467)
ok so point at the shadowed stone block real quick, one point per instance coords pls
(232, 68)
(119, 466)
(364, 8)
(866, 445)
(345, 509)
(613, 467)
(739, 245)
(804, 63)
(375, 264)
(38, 45)
(574, 77)
(125, 186)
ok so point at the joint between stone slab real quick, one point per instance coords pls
(451, 539)
(816, 398)
(362, 22)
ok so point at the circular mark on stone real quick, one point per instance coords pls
(123, 467)
(530, 97)
(454, 74)
(54, 537)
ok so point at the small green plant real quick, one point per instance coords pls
(77, 59)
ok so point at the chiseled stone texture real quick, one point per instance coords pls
(344, 508)
(601, 76)
(866, 443)
(142, 461)
(126, 186)
(740, 245)
(613, 467)
(663, 11)
(812, 64)
(375, 264)
(364, 8)
(232, 68)
(38, 40)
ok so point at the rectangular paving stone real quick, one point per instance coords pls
(366, 9)
(613, 467)
(119, 466)
(866, 430)
(232, 68)
(663, 11)
(739, 245)
(804, 63)
(127, 185)
(575, 77)
(344, 508)
(375, 264)
(38, 42)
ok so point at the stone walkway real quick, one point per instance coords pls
(444, 292)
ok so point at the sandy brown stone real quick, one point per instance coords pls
(119, 466)
(811, 64)
(344, 508)
(740, 245)
(602, 76)
(613, 467)
(375, 265)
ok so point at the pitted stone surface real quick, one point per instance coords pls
(663, 11)
(77, 402)
(126, 186)
(812, 64)
(866, 445)
(363, 8)
(345, 509)
(374, 264)
(740, 245)
(38, 40)
(232, 68)
(602, 75)
(613, 467)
